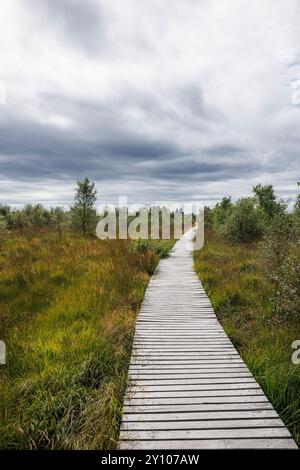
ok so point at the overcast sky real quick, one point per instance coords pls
(155, 99)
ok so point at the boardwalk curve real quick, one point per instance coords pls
(188, 386)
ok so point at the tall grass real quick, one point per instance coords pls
(68, 311)
(241, 295)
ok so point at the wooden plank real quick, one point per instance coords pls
(185, 366)
(189, 381)
(207, 434)
(147, 418)
(148, 362)
(195, 400)
(167, 425)
(178, 356)
(164, 395)
(183, 444)
(193, 387)
(196, 407)
(147, 373)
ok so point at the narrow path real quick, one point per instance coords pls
(188, 387)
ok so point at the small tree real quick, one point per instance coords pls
(279, 236)
(18, 219)
(83, 210)
(221, 212)
(244, 224)
(267, 201)
(3, 229)
(59, 220)
(280, 258)
(297, 203)
(37, 216)
(296, 215)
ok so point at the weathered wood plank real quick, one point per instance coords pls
(252, 443)
(198, 407)
(219, 423)
(180, 383)
(197, 416)
(207, 434)
(194, 387)
(195, 400)
(164, 395)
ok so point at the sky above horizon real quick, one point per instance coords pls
(158, 100)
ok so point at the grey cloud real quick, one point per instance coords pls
(81, 24)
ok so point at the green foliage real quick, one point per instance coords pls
(278, 240)
(3, 229)
(286, 287)
(243, 223)
(83, 211)
(17, 220)
(297, 203)
(221, 212)
(59, 220)
(208, 217)
(267, 201)
(5, 211)
(151, 251)
(36, 216)
(31, 216)
(161, 247)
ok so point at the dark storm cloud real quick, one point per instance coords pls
(30, 149)
(102, 146)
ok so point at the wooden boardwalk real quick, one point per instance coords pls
(188, 387)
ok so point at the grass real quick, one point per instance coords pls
(240, 293)
(68, 310)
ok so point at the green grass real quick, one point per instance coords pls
(240, 293)
(68, 310)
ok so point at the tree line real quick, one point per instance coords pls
(247, 220)
(81, 216)
(250, 219)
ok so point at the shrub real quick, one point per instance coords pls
(286, 287)
(267, 201)
(243, 224)
(59, 220)
(36, 215)
(278, 240)
(160, 247)
(3, 229)
(221, 212)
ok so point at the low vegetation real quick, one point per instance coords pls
(68, 305)
(253, 280)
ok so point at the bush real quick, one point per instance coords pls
(59, 220)
(36, 215)
(221, 212)
(3, 229)
(278, 240)
(160, 247)
(243, 224)
(286, 292)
